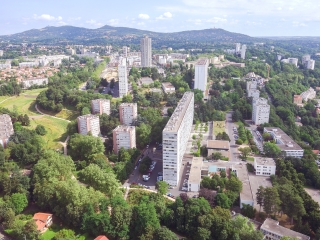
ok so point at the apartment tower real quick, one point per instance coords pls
(100, 106)
(175, 137)
(260, 111)
(6, 129)
(201, 74)
(128, 113)
(123, 79)
(124, 136)
(89, 123)
(146, 52)
(243, 51)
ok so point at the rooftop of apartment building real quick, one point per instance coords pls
(261, 101)
(101, 100)
(202, 61)
(123, 128)
(176, 118)
(6, 129)
(218, 144)
(88, 116)
(128, 104)
(273, 226)
(265, 161)
(287, 142)
(195, 170)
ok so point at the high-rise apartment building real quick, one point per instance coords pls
(123, 78)
(309, 64)
(89, 123)
(125, 51)
(6, 129)
(99, 106)
(1, 53)
(124, 136)
(260, 111)
(201, 74)
(238, 45)
(175, 137)
(146, 52)
(128, 113)
(243, 51)
(305, 58)
(293, 61)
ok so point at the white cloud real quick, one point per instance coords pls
(62, 23)
(143, 16)
(298, 24)
(94, 23)
(75, 19)
(113, 21)
(166, 15)
(46, 17)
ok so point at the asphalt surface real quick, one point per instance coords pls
(234, 154)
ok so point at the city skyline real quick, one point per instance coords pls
(265, 18)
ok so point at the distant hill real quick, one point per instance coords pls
(124, 35)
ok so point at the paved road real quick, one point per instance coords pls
(234, 154)
(48, 114)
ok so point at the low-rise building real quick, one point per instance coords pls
(297, 99)
(273, 231)
(100, 106)
(101, 237)
(195, 174)
(309, 94)
(43, 221)
(34, 81)
(6, 129)
(167, 87)
(89, 123)
(264, 166)
(220, 146)
(124, 136)
(28, 64)
(289, 148)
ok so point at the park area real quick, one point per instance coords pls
(219, 127)
(25, 104)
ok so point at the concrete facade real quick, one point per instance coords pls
(175, 136)
(260, 111)
(124, 136)
(128, 113)
(146, 52)
(123, 78)
(201, 74)
(89, 123)
(100, 106)
(6, 129)
(264, 166)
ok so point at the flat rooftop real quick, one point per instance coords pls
(264, 161)
(123, 128)
(195, 170)
(202, 61)
(273, 226)
(128, 105)
(88, 116)
(242, 174)
(176, 118)
(218, 144)
(284, 142)
(167, 85)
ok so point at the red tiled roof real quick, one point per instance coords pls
(41, 219)
(316, 151)
(101, 237)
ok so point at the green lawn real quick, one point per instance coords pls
(56, 130)
(219, 127)
(24, 103)
(64, 113)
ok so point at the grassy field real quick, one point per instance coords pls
(56, 130)
(24, 103)
(218, 127)
(64, 113)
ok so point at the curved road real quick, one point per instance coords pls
(49, 115)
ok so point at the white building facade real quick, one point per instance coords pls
(264, 166)
(89, 123)
(175, 137)
(146, 52)
(100, 106)
(123, 78)
(243, 51)
(34, 81)
(128, 113)
(201, 74)
(260, 111)
(6, 129)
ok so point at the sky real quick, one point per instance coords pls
(251, 17)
